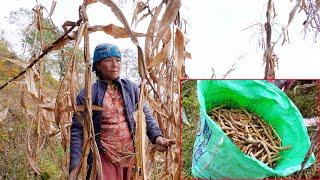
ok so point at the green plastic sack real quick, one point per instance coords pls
(214, 154)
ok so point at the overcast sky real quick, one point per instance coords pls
(216, 36)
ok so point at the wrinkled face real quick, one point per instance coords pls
(109, 68)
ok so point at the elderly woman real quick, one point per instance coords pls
(114, 126)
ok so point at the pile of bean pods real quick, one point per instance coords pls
(250, 133)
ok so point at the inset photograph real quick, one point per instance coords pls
(250, 128)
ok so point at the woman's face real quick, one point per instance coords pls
(109, 68)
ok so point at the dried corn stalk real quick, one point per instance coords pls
(250, 133)
(269, 58)
(165, 66)
(140, 145)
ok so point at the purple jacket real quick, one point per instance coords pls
(130, 94)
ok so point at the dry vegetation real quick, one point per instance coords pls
(250, 133)
(40, 108)
(47, 110)
(268, 41)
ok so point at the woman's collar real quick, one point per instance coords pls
(116, 81)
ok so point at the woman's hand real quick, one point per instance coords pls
(73, 174)
(162, 144)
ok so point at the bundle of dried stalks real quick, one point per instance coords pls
(251, 134)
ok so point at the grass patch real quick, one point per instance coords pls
(191, 107)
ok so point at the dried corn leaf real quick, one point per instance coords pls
(67, 24)
(293, 12)
(168, 17)
(141, 63)
(21, 64)
(140, 145)
(39, 18)
(33, 164)
(157, 107)
(73, 78)
(3, 114)
(31, 87)
(179, 44)
(114, 31)
(154, 77)
(30, 125)
(62, 102)
(54, 132)
(140, 139)
(87, 2)
(22, 98)
(15, 61)
(59, 44)
(37, 101)
(31, 159)
(160, 57)
(139, 7)
(187, 55)
(65, 92)
(150, 32)
(167, 36)
(291, 17)
(118, 13)
(47, 106)
(53, 6)
(142, 18)
(73, 85)
(169, 14)
(20, 82)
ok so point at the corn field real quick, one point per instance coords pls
(160, 66)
